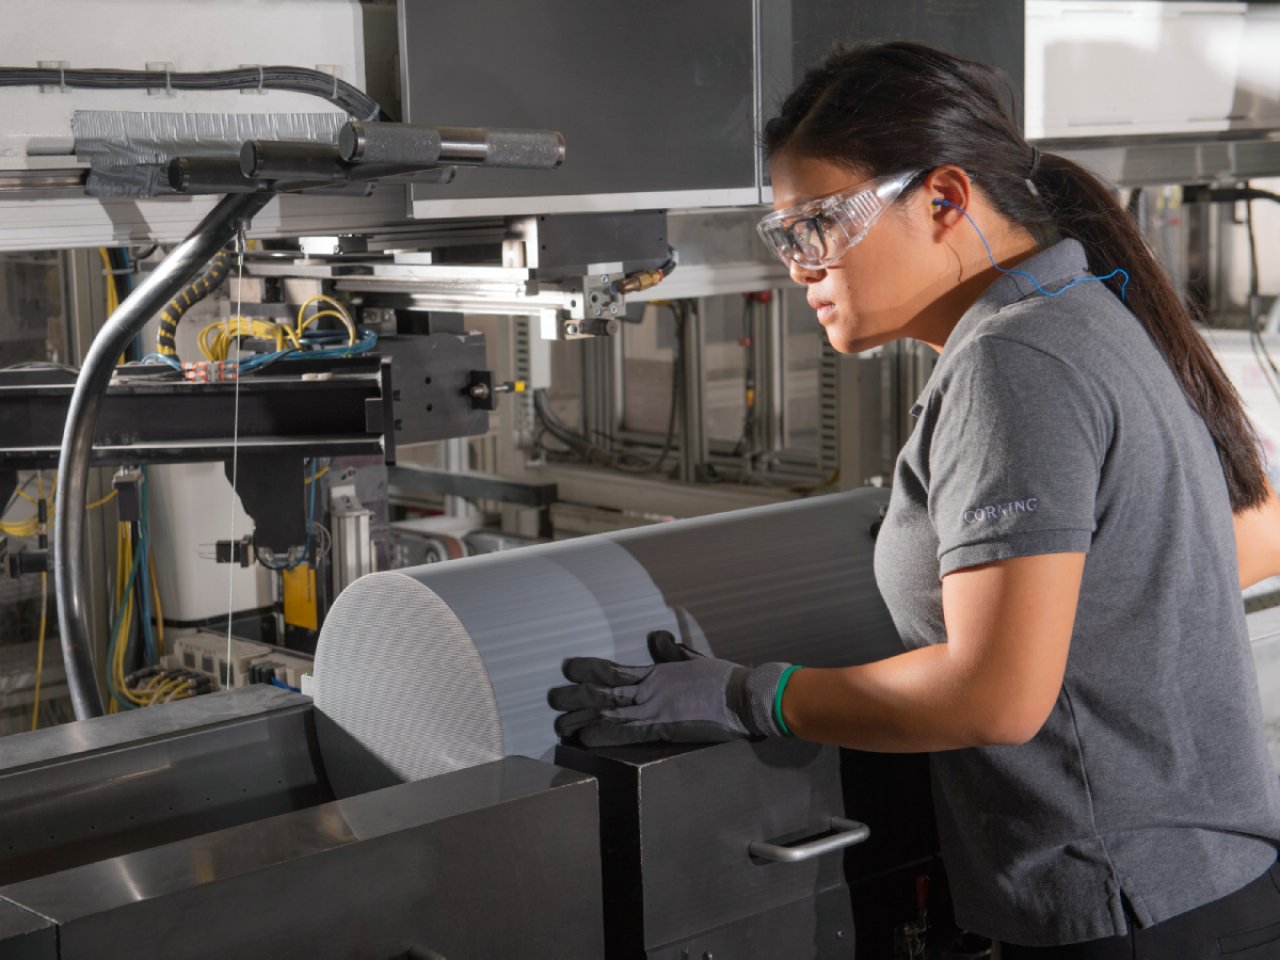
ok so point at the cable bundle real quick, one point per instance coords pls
(296, 79)
(188, 297)
(141, 591)
(215, 342)
(163, 685)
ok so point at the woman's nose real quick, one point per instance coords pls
(805, 274)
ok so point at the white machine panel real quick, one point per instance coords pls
(191, 35)
(190, 509)
(1135, 67)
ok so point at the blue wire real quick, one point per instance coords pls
(284, 686)
(1020, 273)
(115, 633)
(128, 282)
(160, 356)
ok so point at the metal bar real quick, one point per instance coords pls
(848, 833)
(693, 444)
(476, 486)
(173, 273)
(180, 422)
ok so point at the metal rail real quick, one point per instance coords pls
(177, 270)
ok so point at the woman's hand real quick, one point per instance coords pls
(994, 681)
(683, 697)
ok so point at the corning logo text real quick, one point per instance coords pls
(982, 514)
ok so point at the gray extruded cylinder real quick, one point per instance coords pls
(440, 667)
(410, 143)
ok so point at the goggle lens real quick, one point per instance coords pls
(816, 234)
(808, 240)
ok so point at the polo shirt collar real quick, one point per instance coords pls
(1063, 262)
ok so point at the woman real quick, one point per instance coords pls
(1058, 555)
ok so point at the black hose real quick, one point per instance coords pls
(552, 423)
(71, 587)
(296, 79)
(185, 299)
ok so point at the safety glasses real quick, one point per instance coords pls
(818, 233)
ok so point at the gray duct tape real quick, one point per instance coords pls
(788, 582)
(114, 143)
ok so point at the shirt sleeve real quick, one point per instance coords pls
(1015, 457)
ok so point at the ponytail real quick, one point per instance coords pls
(882, 109)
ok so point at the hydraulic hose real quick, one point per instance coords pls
(186, 298)
(173, 273)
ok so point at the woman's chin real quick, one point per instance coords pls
(845, 341)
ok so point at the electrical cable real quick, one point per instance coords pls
(1021, 273)
(226, 330)
(295, 79)
(209, 280)
(341, 314)
(124, 610)
(589, 450)
(155, 595)
(97, 503)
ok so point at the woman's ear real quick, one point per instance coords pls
(949, 190)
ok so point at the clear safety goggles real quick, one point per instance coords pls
(818, 233)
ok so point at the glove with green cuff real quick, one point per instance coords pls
(684, 697)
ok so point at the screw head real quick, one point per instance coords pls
(604, 278)
(597, 311)
(571, 329)
(613, 308)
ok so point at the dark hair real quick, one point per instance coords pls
(885, 108)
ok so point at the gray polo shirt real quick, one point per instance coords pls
(1052, 425)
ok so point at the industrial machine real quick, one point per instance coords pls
(421, 801)
(381, 370)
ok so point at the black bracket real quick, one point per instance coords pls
(272, 489)
(28, 561)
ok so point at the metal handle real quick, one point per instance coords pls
(848, 833)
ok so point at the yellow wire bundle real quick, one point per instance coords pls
(338, 311)
(215, 339)
(219, 347)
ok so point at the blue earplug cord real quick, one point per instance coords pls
(1021, 273)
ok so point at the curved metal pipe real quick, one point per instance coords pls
(177, 269)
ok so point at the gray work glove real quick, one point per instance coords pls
(685, 697)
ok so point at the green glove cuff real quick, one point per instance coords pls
(777, 700)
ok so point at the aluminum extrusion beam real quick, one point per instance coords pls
(469, 483)
(446, 665)
(173, 273)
